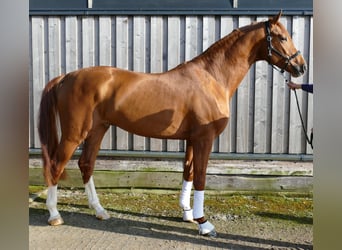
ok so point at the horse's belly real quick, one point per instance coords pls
(163, 123)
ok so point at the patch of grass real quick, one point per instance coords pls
(297, 209)
(36, 189)
(291, 207)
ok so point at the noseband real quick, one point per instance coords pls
(271, 49)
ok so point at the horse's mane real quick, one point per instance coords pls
(224, 43)
(229, 40)
(215, 56)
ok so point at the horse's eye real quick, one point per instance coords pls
(283, 39)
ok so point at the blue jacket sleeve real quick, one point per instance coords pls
(307, 87)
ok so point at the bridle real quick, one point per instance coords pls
(271, 49)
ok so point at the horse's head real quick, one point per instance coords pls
(281, 50)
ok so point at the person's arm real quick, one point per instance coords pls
(307, 87)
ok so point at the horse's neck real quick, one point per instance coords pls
(229, 59)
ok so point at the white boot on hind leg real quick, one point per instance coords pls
(94, 202)
(55, 218)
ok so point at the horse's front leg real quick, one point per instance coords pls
(201, 156)
(93, 200)
(188, 175)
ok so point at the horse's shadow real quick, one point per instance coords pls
(297, 219)
(160, 230)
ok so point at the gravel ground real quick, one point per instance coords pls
(145, 220)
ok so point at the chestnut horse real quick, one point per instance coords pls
(189, 102)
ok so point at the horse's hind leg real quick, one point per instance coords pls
(185, 195)
(64, 153)
(74, 129)
(86, 164)
(55, 218)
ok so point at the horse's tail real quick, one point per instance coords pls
(47, 128)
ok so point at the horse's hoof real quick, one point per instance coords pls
(187, 216)
(103, 215)
(56, 221)
(207, 229)
(211, 234)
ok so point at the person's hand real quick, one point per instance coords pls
(293, 85)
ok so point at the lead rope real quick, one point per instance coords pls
(301, 119)
(309, 140)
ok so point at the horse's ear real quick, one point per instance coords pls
(275, 19)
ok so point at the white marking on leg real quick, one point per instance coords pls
(93, 200)
(184, 201)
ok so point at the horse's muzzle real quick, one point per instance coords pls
(299, 70)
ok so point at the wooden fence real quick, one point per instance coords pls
(264, 116)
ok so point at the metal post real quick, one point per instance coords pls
(235, 3)
(90, 4)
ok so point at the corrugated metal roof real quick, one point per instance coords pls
(169, 7)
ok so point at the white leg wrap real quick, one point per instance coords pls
(93, 200)
(51, 202)
(55, 218)
(184, 199)
(198, 204)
